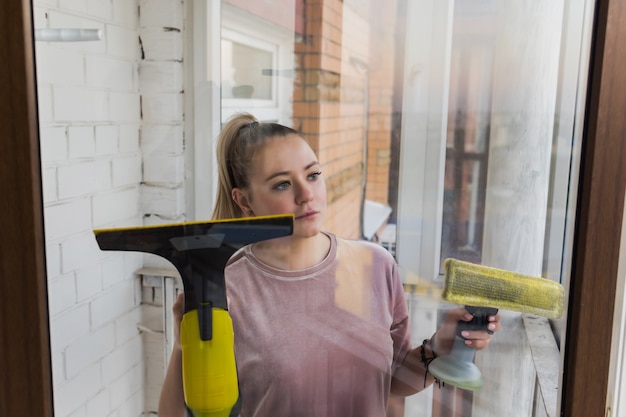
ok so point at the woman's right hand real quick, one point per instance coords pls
(177, 310)
(172, 399)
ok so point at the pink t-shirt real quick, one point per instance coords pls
(318, 342)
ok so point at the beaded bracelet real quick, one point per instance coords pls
(426, 361)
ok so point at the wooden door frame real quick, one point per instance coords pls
(599, 216)
(26, 377)
(25, 374)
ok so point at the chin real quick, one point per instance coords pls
(308, 231)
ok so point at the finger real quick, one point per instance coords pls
(494, 323)
(177, 307)
(494, 318)
(477, 344)
(475, 335)
(457, 314)
(466, 316)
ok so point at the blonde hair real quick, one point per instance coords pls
(241, 137)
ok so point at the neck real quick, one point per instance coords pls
(293, 253)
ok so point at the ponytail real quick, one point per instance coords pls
(240, 138)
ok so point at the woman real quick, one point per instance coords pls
(321, 323)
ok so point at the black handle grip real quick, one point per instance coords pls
(479, 321)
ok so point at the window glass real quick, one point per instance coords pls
(445, 130)
(243, 70)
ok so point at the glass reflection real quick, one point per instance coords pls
(240, 79)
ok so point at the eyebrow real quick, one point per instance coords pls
(278, 174)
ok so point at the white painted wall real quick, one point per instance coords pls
(111, 141)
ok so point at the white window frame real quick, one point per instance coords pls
(423, 132)
(250, 31)
(269, 106)
(202, 106)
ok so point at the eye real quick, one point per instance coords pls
(283, 185)
(315, 175)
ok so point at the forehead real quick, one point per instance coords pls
(283, 153)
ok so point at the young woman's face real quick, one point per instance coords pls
(285, 177)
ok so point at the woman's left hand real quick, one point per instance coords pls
(477, 339)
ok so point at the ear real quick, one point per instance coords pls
(240, 197)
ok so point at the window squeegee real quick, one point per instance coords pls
(485, 290)
(200, 252)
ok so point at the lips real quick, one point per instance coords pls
(307, 215)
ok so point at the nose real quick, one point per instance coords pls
(304, 193)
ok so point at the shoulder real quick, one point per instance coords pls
(238, 255)
(352, 246)
(365, 258)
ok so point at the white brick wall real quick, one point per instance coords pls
(99, 148)
(113, 154)
(161, 29)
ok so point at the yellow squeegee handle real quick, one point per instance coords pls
(210, 382)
